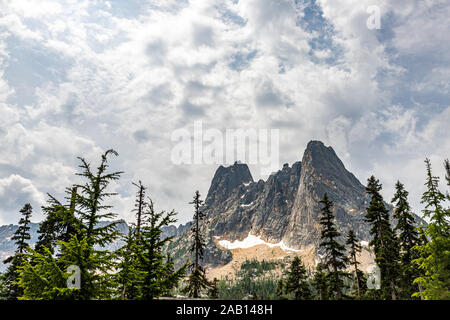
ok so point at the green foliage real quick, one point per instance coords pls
(297, 281)
(197, 279)
(128, 274)
(214, 290)
(408, 238)
(11, 288)
(354, 249)
(434, 255)
(60, 222)
(384, 241)
(320, 283)
(158, 272)
(334, 258)
(82, 235)
(256, 268)
(44, 278)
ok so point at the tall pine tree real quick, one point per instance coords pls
(157, 270)
(434, 255)
(408, 238)
(85, 233)
(197, 279)
(18, 260)
(128, 273)
(139, 205)
(95, 264)
(320, 282)
(354, 249)
(334, 259)
(384, 240)
(297, 281)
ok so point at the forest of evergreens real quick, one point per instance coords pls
(68, 261)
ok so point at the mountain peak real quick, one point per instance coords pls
(226, 179)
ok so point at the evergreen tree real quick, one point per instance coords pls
(214, 290)
(128, 273)
(16, 261)
(334, 260)
(158, 275)
(320, 283)
(408, 238)
(297, 281)
(84, 233)
(44, 277)
(60, 222)
(384, 240)
(280, 289)
(197, 279)
(139, 205)
(95, 264)
(354, 250)
(434, 255)
(447, 175)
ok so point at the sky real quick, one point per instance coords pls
(80, 77)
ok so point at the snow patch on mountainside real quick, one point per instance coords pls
(252, 241)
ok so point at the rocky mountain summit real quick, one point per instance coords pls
(284, 210)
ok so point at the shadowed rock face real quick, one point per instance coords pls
(225, 181)
(323, 172)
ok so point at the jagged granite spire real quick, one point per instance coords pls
(227, 179)
(323, 172)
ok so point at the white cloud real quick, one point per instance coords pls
(15, 191)
(126, 76)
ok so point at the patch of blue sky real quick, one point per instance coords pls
(128, 8)
(310, 18)
(229, 17)
(31, 66)
(241, 61)
(409, 87)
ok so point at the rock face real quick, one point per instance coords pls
(285, 209)
(323, 172)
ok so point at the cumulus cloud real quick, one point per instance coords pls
(80, 77)
(15, 191)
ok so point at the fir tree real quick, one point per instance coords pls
(17, 261)
(139, 205)
(334, 259)
(60, 222)
(408, 238)
(434, 255)
(354, 250)
(128, 273)
(320, 283)
(280, 289)
(43, 277)
(94, 263)
(297, 281)
(447, 175)
(197, 279)
(214, 290)
(84, 232)
(158, 275)
(384, 240)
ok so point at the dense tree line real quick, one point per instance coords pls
(69, 260)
